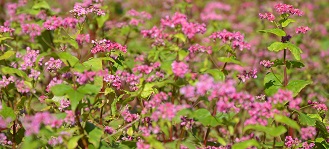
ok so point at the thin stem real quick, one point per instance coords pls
(285, 80)
(81, 130)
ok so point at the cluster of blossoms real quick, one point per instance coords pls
(210, 12)
(146, 69)
(235, 39)
(157, 34)
(32, 30)
(127, 116)
(246, 75)
(318, 106)
(109, 130)
(81, 38)
(294, 142)
(266, 63)
(308, 132)
(64, 103)
(121, 79)
(4, 140)
(6, 81)
(22, 87)
(54, 22)
(80, 10)
(179, 68)
(267, 16)
(188, 28)
(32, 124)
(199, 48)
(283, 96)
(167, 111)
(138, 17)
(287, 9)
(106, 46)
(83, 78)
(53, 64)
(28, 59)
(53, 82)
(4, 29)
(155, 101)
(302, 29)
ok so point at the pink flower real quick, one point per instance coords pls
(302, 29)
(64, 103)
(308, 133)
(236, 38)
(267, 16)
(290, 142)
(53, 64)
(106, 46)
(52, 83)
(198, 48)
(266, 63)
(247, 75)
(83, 78)
(109, 130)
(287, 9)
(179, 68)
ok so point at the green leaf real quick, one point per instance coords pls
(295, 50)
(41, 4)
(273, 131)
(102, 19)
(67, 57)
(94, 134)
(147, 90)
(61, 89)
(8, 70)
(95, 64)
(286, 22)
(276, 46)
(276, 31)
(322, 127)
(7, 112)
(182, 54)
(297, 85)
(89, 89)
(217, 74)
(286, 120)
(4, 38)
(75, 97)
(272, 83)
(229, 60)
(305, 120)
(7, 55)
(205, 118)
(181, 37)
(73, 142)
(246, 144)
(294, 64)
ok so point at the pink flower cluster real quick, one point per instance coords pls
(122, 79)
(236, 39)
(290, 142)
(167, 111)
(179, 68)
(6, 81)
(4, 29)
(302, 29)
(127, 116)
(54, 22)
(28, 59)
(138, 17)
(259, 113)
(267, 16)
(22, 87)
(283, 96)
(199, 48)
(246, 75)
(106, 46)
(4, 140)
(53, 82)
(80, 10)
(318, 106)
(155, 101)
(266, 63)
(156, 34)
(188, 28)
(287, 9)
(64, 103)
(308, 132)
(32, 30)
(33, 123)
(83, 78)
(53, 65)
(109, 130)
(145, 69)
(210, 12)
(81, 38)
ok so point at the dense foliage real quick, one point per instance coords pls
(164, 74)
